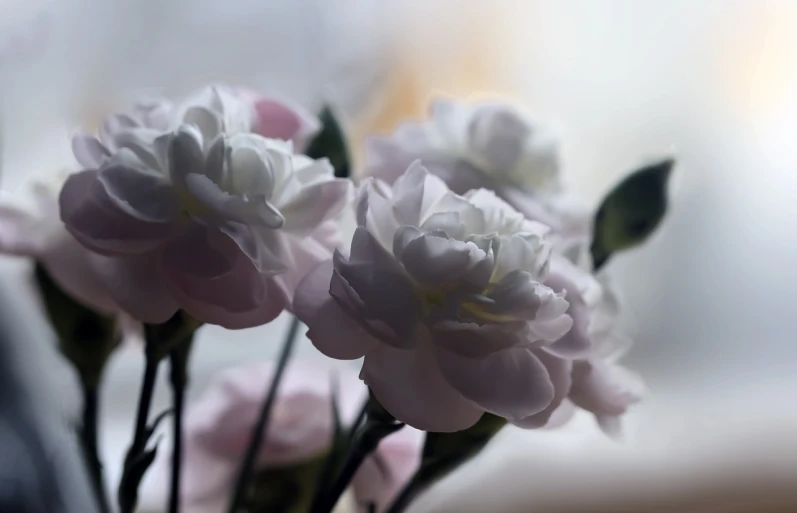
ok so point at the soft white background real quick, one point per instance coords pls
(710, 298)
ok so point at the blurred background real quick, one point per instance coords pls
(710, 300)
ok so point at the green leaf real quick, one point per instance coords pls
(85, 337)
(330, 143)
(631, 212)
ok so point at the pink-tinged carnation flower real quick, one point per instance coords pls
(205, 217)
(219, 425)
(444, 297)
(485, 145)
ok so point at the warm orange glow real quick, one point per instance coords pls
(472, 64)
(761, 59)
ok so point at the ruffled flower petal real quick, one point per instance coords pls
(409, 384)
(332, 330)
(512, 383)
(94, 219)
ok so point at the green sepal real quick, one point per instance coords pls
(86, 338)
(631, 211)
(330, 143)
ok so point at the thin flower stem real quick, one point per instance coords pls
(359, 419)
(260, 427)
(178, 360)
(365, 441)
(128, 488)
(88, 438)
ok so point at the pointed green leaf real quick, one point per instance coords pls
(631, 212)
(330, 143)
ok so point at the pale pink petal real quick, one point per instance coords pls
(409, 193)
(375, 213)
(562, 415)
(551, 330)
(89, 152)
(478, 340)
(386, 160)
(332, 330)
(602, 389)
(21, 233)
(435, 261)
(498, 135)
(266, 249)
(316, 204)
(94, 220)
(204, 267)
(206, 481)
(72, 267)
(304, 255)
(217, 284)
(460, 175)
(277, 120)
(370, 271)
(138, 192)
(512, 383)
(559, 374)
(386, 472)
(136, 284)
(263, 314)
(408, 383)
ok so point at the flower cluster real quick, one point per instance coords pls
(492, 305)
(185, 207)
(491, 146)
(470, 288)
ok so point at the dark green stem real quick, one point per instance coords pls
(378, 424)
(259, 430)
(128, 487)
(178, 361)
(88, 438)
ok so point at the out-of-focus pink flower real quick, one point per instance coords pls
(189, 210)
(444, 297)
(485, 145)
(218, 429)
(35, 231)
(281, 120)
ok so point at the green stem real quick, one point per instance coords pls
(378, 424)
(128, 487)
(178, 361)
(88, 438)
(259, 430)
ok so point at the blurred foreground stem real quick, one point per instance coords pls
(178, 366)
(245, 473)
(88, 438)
(161, 340)
(128, 487)
(377, 424)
